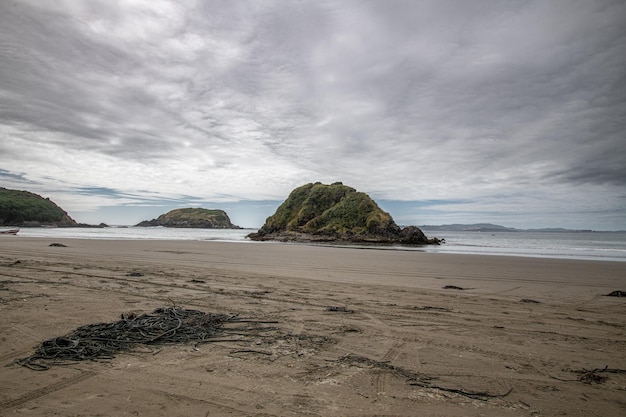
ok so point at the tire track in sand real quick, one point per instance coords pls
(57, 386)
(381, 377)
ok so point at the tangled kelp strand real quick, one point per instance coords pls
(103, 340)
(416, 378)
(595, 376)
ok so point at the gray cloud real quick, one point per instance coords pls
(495, 101)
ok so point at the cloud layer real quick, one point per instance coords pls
(483, 108)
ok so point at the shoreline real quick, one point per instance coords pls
(335, 331)
(432, 249)
(587, 246)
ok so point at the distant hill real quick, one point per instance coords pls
(477, 227)
(199, 218)
(23, 208)
(488, 227)
(334, 213)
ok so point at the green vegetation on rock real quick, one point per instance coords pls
(22, 208)
(336, 212)
(193, 218)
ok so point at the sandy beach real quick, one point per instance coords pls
(334, 331)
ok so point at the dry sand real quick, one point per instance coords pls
(521, 331)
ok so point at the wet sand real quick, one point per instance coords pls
(340, 331)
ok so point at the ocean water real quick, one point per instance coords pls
(575, 245)
(138, 233)
(569, 245)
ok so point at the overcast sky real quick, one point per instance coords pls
(510, 112)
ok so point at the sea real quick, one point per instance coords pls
(601, 246)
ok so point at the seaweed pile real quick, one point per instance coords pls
(102, 341)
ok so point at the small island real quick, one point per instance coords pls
(198, 218)
(335, 213)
